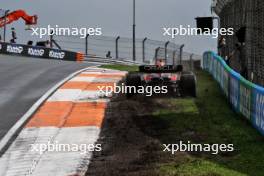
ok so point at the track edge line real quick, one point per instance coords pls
(9, 137)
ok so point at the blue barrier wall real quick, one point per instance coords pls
(245, 97)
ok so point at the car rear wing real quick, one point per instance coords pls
(160, 69)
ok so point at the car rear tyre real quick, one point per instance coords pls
(188, 84)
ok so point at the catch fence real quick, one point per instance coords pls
(247, 19)
(120, 48)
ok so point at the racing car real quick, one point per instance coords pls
(179, 83)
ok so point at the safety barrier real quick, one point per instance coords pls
(245, 97)
(40, 52)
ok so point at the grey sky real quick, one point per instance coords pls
(115, 17)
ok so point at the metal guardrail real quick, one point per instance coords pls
(245, 97)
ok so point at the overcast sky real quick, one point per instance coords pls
(115, 17)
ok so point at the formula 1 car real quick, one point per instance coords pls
(178, 82)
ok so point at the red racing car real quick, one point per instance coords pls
(178, 82)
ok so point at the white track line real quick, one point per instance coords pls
(94, 79)
(19, 159)
(77, 95)
(21, 122)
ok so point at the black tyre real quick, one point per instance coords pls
(188, 84)
(133, 79)
(175, 93)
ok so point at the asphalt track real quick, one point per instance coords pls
(24, 80)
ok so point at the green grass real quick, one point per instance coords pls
(199, 168)
(121, 67)
(209, 119)
(206, 119)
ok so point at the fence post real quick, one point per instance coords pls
(116, 43)
(51, 41)
(166, 48)
(156, 54)
(143, 49)
(86, 44)
(51, 38)
(181, 49)
(173, 57)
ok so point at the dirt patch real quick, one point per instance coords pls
(128, 148)
(134, 131)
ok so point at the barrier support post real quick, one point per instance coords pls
(86, 44)
(143, 49)
(166, 50)
(181, 50)
(116, 47)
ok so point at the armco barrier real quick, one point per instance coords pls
(245, 97)
(40, 52)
